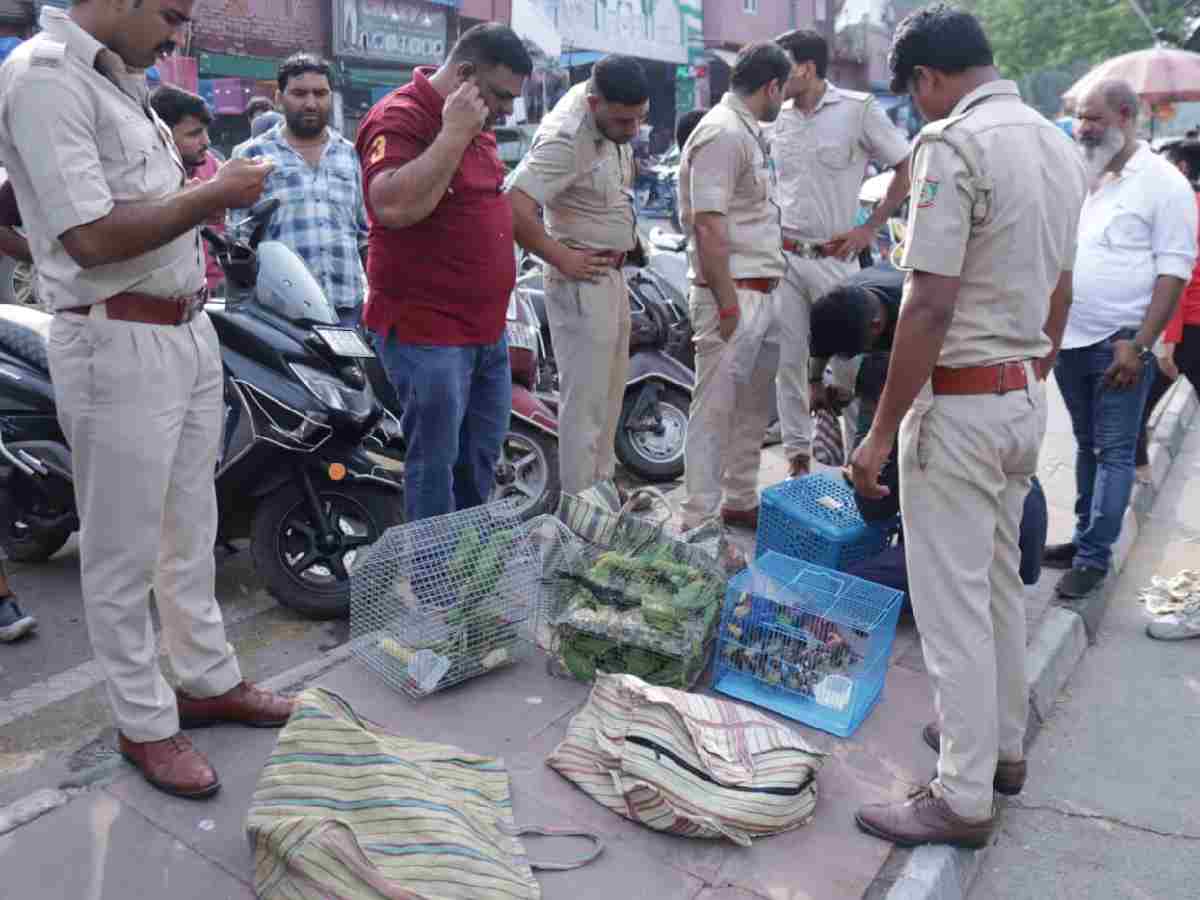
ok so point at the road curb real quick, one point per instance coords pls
(939, 872)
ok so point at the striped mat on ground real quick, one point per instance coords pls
(345, 809)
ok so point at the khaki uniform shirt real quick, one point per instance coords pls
(997, 192)
(726, 168)
(822, 158)
(583, 180)
(76, 142)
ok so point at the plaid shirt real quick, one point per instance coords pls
(321, 215)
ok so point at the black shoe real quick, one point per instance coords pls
(1059, 556)
(1080, 582)
(14, 624)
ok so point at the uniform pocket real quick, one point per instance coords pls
(1128, 230)
(835, 156)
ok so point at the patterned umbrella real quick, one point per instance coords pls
(1158, 75)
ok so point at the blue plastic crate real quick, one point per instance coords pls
(815, 519)
(806, 642)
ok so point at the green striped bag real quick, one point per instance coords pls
(688, 764)
(345, 810)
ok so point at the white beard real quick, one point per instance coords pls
(1098, 157)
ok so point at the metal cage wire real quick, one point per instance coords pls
(445, 599)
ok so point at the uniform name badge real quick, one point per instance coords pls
(928, 193)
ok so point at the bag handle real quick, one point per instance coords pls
(523, 830)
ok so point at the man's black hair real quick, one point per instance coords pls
(257, 106)
(940, 37)
(806, 45)
(301, 64)
(840, 324)
(1189, 152)
(687, 124)
(757, 65)
(173, 105)
(492, 44)
(621, 79)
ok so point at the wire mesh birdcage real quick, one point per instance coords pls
(623, 596)
(445, 599)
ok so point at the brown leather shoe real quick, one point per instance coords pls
(173, 766)
(244, 705)
(740, 518)
(799, 466)
(922, 819)
(1010, 776)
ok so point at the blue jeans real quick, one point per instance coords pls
(1106, 423)
(457, 402)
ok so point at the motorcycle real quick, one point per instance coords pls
(292, 474)
(656, 185)
(652, 430)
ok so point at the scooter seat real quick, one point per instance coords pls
(25, 333)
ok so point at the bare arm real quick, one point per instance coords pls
(897, 193)
(407, 195)
(1167, 291)
(1056, 320)
(14, 245)
(925, 318)
(132, 229)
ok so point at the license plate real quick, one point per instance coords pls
(345, 342)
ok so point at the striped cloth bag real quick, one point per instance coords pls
(688, 764)
(347, 810)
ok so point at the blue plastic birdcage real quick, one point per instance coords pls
(815, 519)
(806, 642)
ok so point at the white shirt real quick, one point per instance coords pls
(1133, 229)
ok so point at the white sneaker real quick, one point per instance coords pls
(1176, 627)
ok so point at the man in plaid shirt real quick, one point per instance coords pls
(318, 181)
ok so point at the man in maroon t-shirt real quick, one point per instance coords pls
(441, 265)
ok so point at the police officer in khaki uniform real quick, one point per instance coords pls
(580, 170)
(997, 192)
(135, 362)
(821, 144)
(728, 210)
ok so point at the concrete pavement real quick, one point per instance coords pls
(1113, 807)
(117, 837)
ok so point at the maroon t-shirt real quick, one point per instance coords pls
(446, 279)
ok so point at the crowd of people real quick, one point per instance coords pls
(1023, 254)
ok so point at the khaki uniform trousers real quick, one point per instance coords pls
(141, 406)
(589, 325)
(803, 284)
(966, 464)
(731, 405)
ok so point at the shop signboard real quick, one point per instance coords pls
(650, 29)
(390, 31)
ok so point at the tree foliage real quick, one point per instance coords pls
(1033, 35)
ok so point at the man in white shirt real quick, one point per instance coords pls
(1137, 246)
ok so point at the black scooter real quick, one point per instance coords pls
(292, 474)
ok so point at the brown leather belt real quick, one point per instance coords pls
(759, 285)
(805, 249)
(995, 379)
(148, 309)
(612, 256)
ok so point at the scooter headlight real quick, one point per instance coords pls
(329, 388)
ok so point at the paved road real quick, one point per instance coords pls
(1113, 804)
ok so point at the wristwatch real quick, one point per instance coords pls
(1142, 351)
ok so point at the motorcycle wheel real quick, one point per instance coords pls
(655, 457)
(315, 581)
(528, 471)
(18, 284)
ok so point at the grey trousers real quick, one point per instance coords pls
(141, 408)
